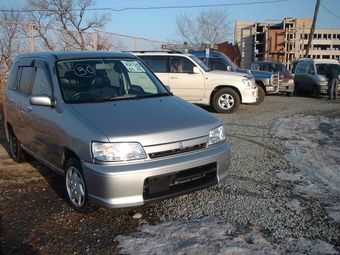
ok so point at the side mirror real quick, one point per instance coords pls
(229, 68)
(40, 100)
(168, 88)
(312, 72)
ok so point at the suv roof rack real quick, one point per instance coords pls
(162, 51)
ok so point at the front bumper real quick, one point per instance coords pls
(249, 95)
(286, 87)
(136, 183)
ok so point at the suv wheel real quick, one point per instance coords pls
(261, 95)
(75, 186)
(297, 89)
(226, 100)
(315, 93)
(289, 94)
(18, 154)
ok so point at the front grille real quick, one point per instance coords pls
(177, 151)
(178, 183)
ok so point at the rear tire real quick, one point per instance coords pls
(226, 100)
(289, 94)
(17, 153)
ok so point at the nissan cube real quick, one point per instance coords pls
(106, 123)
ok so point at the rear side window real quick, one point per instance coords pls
(25, 80)
(157, 64)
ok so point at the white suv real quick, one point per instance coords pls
(190, 79)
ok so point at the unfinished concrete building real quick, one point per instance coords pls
(284, 40)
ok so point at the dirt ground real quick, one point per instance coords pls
(35, 219)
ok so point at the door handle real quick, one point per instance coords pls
(173, 77)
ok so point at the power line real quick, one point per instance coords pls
(164, 7)
(330, 11)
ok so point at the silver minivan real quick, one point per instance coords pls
(310, 75)
(107, 123)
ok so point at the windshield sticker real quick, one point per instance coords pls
(133, 66)
(84, 70)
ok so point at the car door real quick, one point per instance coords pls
(183, 81)
(300, 76)
(309, 80)
(18, 99)
(45, 133)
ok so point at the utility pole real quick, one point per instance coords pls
(311, 34)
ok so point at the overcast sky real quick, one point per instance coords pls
(156, 20)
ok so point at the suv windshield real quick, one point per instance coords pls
(94, 80)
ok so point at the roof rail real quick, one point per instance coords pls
(148, 51)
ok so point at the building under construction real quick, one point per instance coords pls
(284, 40)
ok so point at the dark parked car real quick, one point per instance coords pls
(310, 75)
(286, 81)
(108, 124)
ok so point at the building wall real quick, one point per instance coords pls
(244, 38)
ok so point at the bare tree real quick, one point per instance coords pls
(211, 26)
(11, 37)
(69, 15)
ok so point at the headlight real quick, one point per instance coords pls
(217, 135)
(290, 81)
(249, 82)
(117, 151)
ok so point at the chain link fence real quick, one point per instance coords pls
(17, 38)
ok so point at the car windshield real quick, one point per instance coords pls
(231, 63)
(98, 80)
(270, 67)
(200, 63)
(323, 68)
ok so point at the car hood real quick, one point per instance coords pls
(149, 120)
(261, 74)
(224, 73)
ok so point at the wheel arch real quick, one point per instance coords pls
(261, 84)
(217, 88)
(67, 153)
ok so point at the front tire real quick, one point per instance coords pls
(75, 186)
(289, 94)
(17, 153)
(260, 97)
(226, 100)
(315, 93)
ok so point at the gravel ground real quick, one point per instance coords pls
(34, 218)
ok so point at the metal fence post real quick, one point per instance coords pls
(31, 36)
(95, 38)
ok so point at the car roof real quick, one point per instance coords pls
(319, 60)
(268, 61)
(62, 55)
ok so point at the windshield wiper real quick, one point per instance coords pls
(155, 95)
(115, 97)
